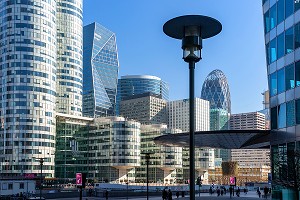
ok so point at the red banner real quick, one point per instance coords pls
(79, 179)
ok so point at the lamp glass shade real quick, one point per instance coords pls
(191, 53)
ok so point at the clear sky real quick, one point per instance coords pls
(144, 49)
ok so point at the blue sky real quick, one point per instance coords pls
(143, 48)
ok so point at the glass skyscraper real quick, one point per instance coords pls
(69, 57)
(40, 62)
(140, 84)
(101, 67)
(282, 40)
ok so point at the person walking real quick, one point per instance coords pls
(164, 194)
(266, 190)
(230, 191)
(238, 191)
(106, 194)
(170, 195)
(177, 194)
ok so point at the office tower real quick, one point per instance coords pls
(178, 118)
(249, 157)
(165, 166)
(215, 89)
(282, 42)
(146, 108)
(69, 57)
(106, 148)
(139, 84)
(266, 108)
(101, 67)
(28, 63)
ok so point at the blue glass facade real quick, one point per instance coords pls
(282, 40)
(101, 67)
(140, 84)
(215, 89)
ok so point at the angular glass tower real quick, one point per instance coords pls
(282, 40)
(215, 89)
(140, 84)
(28, 86)
(69, 57)
(101, 67)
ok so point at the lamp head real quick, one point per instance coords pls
(192, 43)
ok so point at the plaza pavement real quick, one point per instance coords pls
(251, 195)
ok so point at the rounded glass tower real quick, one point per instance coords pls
(28, 84)
(215, 89)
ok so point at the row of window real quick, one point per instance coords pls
(279, 12)
(285, 115)
(283, 44)
(285, 79)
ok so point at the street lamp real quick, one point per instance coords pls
(41, 160)
(147, 156)
(191, 29)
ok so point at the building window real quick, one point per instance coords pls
(289, 8)
(273, 18)
(297, 111)
(273, 56)
(21, 186)
(280, 81)
(290, 113)
(280, 11)
(289, 40)
(274, 118)
(273, 83)
(10, 186)
(280, 45)
(297, 35)
(289, 77)
(297, 73)
(267, 22)
(282, 115)
(297, 5)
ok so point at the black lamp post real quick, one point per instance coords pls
(191, 29)
(41, 160)
(147, 156)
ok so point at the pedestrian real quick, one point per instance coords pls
(182, 193)
(238, 191)
(218, 191)
(210, 191)
(259, 193)
(164, 194)
(266, 190)
(222, 192)
(177, 194)
(106, 194)
(245, 191)
(230, 191)
(170, 195)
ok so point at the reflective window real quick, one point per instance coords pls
(267, 21)
(297, 73)
(280, 81)
(282, 115)
(290, 113)
(274, 118)
(280, 11)
(289, 40)
(297, 35)
(289, 8)
(273, 18)
(273, 56)
(297, 5)
(289, 77)
(273, 84)
(280, 45)
(268, 53)
(297, 111)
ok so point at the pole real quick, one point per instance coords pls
(147, 160)
(41, 185)
(127, 187)
(192, 130)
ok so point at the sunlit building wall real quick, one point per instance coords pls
(282, 42)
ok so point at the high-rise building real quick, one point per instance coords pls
(282, 42)
(146, 108)
(178, 118)
(215, 89)
(28, 61)
(69, 57)
(101, 67)
(249, 157)
(139, 84)
(41, 67)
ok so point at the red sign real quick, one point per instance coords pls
(232, 181)
(79, 179)
(29, 176)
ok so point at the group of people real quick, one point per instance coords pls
(167, 194)
(266, 192)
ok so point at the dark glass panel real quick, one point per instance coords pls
(289, 40)
(297, 35)
(280, 45)
(289, 8)
(267, 21)
(273, 18)
(280, 11)
(273, 56)
(297, 111)
(282, 115)
(273, 84)
(290, 113)
(274, 118)
(280, 81)
(289, 77)
(297, 5)
(297, 73)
